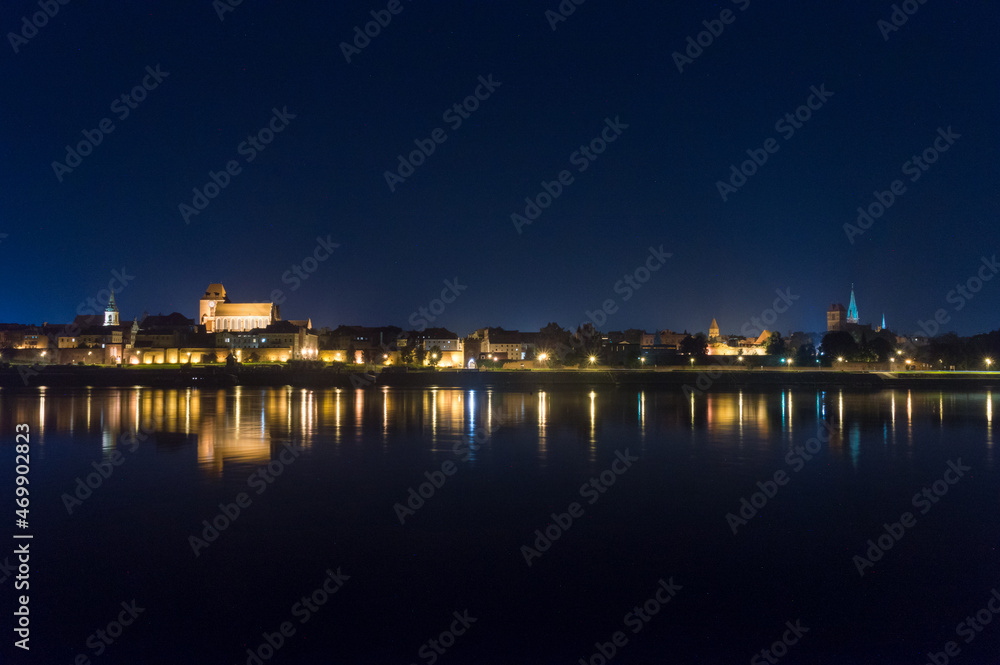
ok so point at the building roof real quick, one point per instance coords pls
(243, 309)
(283, 327)
(433, 333)
(87, 320)
(512, 337)
(215, 292)
(174, 319)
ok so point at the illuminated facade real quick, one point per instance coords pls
(744, 347)
(278, 342)
(217, 313)
(836, 318)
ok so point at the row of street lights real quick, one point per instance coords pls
(788, 362)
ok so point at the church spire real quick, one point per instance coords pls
(111, 312)
(852, 310)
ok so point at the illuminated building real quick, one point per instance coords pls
(217, 313)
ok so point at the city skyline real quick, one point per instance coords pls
(768, 320)
(428, 317)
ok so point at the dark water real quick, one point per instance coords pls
(658, 521)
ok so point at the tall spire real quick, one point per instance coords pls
(111, 312)
(852, 311)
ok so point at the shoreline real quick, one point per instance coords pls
(702, 379)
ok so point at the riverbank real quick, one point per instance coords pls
(698, 378)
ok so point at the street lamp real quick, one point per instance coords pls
(593, 360)
(840, 360)
(543, 356)
(692, 361)
(989, 361)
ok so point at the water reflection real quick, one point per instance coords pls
(542, 422)
(246, 425)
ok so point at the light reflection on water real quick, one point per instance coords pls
(244, 425)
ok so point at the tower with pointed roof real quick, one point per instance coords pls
(713, 330)
(111, 312)
(852, 309)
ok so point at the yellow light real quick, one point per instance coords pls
(593, 359)
(543, 356)
(840, 360)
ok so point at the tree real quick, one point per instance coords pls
(881, 349)
(694, 346)
(406, 355)
(254, 357)
(838, 344)
(434, 357)
(775, 345)
(555, 342)
(486, 363)
(805, 355)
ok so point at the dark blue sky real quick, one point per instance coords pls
(656, 184)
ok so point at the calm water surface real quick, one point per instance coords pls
(325, 476)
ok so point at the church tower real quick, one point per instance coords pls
(111, 312)
(713, 330)
(852, 309)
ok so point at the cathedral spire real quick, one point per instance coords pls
(852, 310)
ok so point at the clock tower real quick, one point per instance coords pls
(111, 312)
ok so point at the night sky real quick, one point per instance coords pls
(323, 175)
